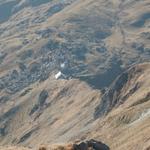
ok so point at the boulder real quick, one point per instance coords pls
(77, 145)
(97, 145)
(81, 146)
(89, 145)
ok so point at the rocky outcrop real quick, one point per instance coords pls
(121, 89)
(110, 98)
(41, 101)
(91, 144)
(84, 145)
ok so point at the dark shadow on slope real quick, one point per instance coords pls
(26, 136)
(110, 99)
(113, 97)
(141, 21)
(38, 2)
(104, 80)
(55, 9)
(9, 114)
(3, 131)
(6, 10)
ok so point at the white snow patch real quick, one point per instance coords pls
(62, 65)
(143, 116)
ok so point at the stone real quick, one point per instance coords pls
(97, 145)
(90, 145)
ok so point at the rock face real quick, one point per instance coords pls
(91, 144)
(117, 93)
(85, 145)
(41, 101)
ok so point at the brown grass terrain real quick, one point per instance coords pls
(13, 148)
(107, 94)
(126, 125)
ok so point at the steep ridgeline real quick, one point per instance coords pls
(123, 114)
(125, 86)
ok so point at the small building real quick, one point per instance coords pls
(60, 75)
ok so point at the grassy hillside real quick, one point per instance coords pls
(105, 47)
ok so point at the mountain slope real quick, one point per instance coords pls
(96, 41)
(51, 111)
(126, 116)
(67, 109)
(132, 84)
(99, 46)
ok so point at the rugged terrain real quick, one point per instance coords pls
(105, 47)
(69, 110)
